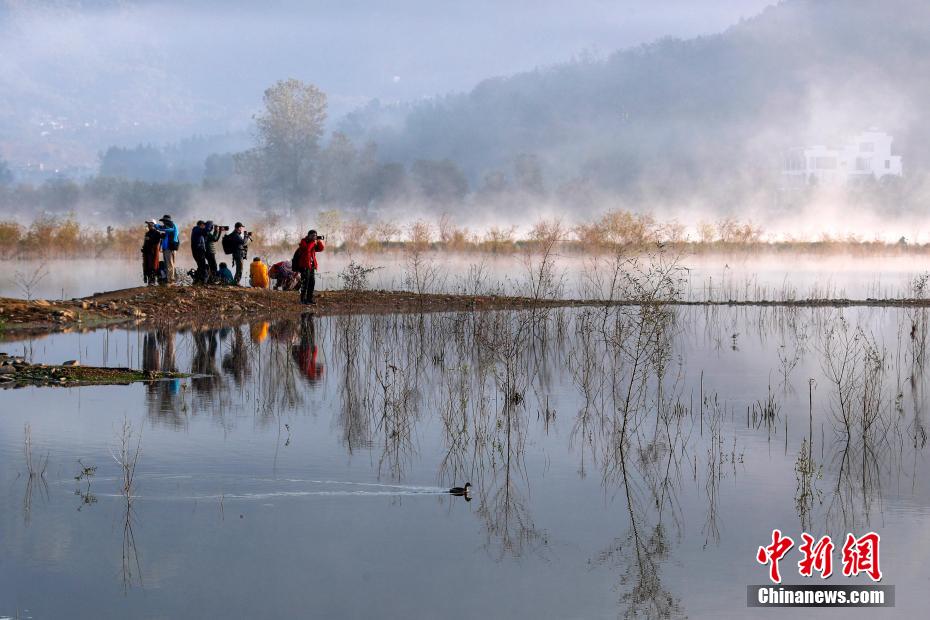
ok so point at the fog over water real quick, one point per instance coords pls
(705, 277)
(496, 113)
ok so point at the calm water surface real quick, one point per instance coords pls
(711, 276)
(624, 463)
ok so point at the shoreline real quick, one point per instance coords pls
(177, 307)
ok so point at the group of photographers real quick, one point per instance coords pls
(162, 240)
(204, 237)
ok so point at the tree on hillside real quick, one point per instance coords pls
(709, 117)
(285, 159)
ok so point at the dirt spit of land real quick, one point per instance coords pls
(183, 306)
(177, 307)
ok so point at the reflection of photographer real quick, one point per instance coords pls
(305, 353)
(236, 244)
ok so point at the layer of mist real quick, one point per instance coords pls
(691, 129)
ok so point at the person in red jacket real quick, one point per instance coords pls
(305, 262)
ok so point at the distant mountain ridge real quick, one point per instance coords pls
(679, 116)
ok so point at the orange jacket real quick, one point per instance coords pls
(258, 274)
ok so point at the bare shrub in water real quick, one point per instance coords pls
(35, 467)
(539, 260)
(854, 364)
(35, 474)
(127, 457)
(27, 283)
(422, 272)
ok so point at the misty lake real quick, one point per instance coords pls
(623, 461)
(709, 276)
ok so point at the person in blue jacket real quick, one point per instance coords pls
(225, 275)
(169, 245)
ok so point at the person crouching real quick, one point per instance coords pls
(258, 273)
(284, 277)
(224, 275)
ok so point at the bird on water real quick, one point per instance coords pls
(461, 490)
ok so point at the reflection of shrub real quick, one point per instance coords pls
(355, 276)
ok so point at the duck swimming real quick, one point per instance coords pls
(461, 490)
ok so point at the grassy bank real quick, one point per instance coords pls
(16, 372)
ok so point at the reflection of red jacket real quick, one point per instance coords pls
(306, 254)
(306, 359)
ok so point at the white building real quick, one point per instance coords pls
(868, 155)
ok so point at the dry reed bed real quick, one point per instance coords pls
(64, 237)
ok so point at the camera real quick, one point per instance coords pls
(321, 237)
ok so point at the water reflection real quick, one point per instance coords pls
(305, 352)
(203, 362)
(648, 403)
(158, 354)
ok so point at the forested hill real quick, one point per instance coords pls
(716, 112)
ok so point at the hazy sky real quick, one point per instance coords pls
(164, 69)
